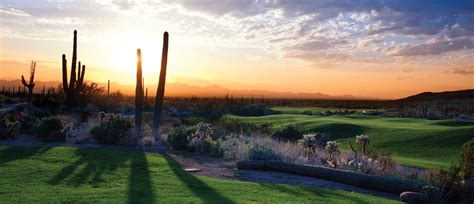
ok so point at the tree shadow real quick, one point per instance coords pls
(140, 188)
(8, 154)
(198, 188)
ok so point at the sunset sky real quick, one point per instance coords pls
(383, 49)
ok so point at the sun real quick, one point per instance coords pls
(124, 54)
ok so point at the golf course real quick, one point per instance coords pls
(413, 142)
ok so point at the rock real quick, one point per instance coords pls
(411, 197)
(192, 170)
(251, 165)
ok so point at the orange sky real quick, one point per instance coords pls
(259, 47)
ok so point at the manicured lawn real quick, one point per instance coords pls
(414, 142)
(62, 174)
(314, 110)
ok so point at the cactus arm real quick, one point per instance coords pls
(83, 73)
(65, 85)
(78, 72)
(160, 92)
(23, 81)
(80, 78)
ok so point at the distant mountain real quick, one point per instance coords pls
(446, 95)
(182, 90)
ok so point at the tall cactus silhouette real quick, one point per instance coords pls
(160, 91)
(75, 84)
(31, 83)
(139, 99)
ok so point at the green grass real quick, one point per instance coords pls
(414, 142)
(63, 174)
(313, 110)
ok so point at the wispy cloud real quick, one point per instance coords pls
(12, 11)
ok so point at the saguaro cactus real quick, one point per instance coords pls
(139, 99)
(31, 84)
(160, 92)
(75, 84)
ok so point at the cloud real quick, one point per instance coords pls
(462, 70)
(13, 12)
(434, 47)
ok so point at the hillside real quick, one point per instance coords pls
(446, 95)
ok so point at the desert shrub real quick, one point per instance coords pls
(192, 120)
(363, 141)
(307, 112)
(8, 128)
(265, 128)
(2, 100)
(385, 164)
(113, 129)
(203, 131)
(250, 111)
(51, 129)
(332, 150)
(233, 125)
(288, 133)
(179, 138)
(467, 159)
(259, 152)
(310, 142)
(212, 147)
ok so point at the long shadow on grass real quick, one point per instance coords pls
(199, 188)
(95, 163)
(321, 193)
(8, 154)
(140, 189)
(92, 164)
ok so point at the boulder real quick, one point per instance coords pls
(411, 197)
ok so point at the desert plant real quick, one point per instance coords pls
(203, 131)
(259, 152)
(363, 140)
(310, 142)
(139, 99)
(31, 83)
(467, 159)
(179, 138)
(113, 129)
(8, 128)
(75, 84)
(288, 133)
(332, 150)
(160, 92)
(51, 129)
(266, 128)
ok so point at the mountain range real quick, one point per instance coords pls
(181, 90)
